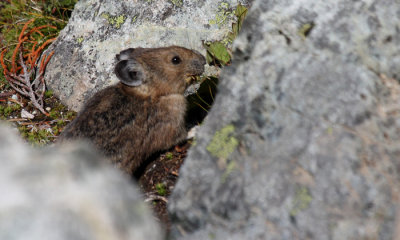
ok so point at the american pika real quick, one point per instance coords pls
(145, 111)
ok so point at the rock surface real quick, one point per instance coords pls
(84, 53)
(67, 193)
(303, 140)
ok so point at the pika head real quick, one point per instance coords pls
(160, 71)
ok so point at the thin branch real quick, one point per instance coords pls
(152, 197)
(20, 76)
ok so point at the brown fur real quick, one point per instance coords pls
(129, 123)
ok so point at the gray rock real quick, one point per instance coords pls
(303, 140)
(67, 192)
(84, 53)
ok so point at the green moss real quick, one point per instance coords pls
(36, 137)
(60, 122)
(6, 111)
(301, 201)
(70, 115)
(169, 155)
(54, 113)
(115, 21)
(161, 189)
(223, 144)
(48, 93)
(56, 130)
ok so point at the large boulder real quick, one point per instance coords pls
(303, 140)
(84, 53)
(67, 192)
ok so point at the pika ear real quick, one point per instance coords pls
(129, 53)
(129, 72)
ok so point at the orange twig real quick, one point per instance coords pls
(20, 77)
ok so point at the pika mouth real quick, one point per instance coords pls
(192, 78)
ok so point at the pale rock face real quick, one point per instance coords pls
(303, 140)
(67, 192)
(84, 53)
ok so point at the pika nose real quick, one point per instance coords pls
(198, 64)
(202, 59)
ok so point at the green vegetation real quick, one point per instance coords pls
(7, 110)
(46, 19)
(37, 137)
(169, 155)
(217, 52)
(53, 14)
(48, 93)
(161, 189)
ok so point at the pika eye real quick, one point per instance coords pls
(176, 60)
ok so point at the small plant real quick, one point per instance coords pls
(169, 155)
(6, 111)
(27, 27)
(20, 76)
(161, 189)
(217, 52)
(48, 93)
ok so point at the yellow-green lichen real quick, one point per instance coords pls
(224, 13)
(329, 130)
(178, 3)
(115, 21)
(301, 200)
(223, 144)
(134, 18)
(305, 29)
(229, 169)
(79, 40)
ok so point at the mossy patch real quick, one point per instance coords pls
(5, 111)
(115, 21)
(169, 155)
(161, 189)
(301, 201)
(223, 143)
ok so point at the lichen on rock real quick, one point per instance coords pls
(223, 143)
(79, 68)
